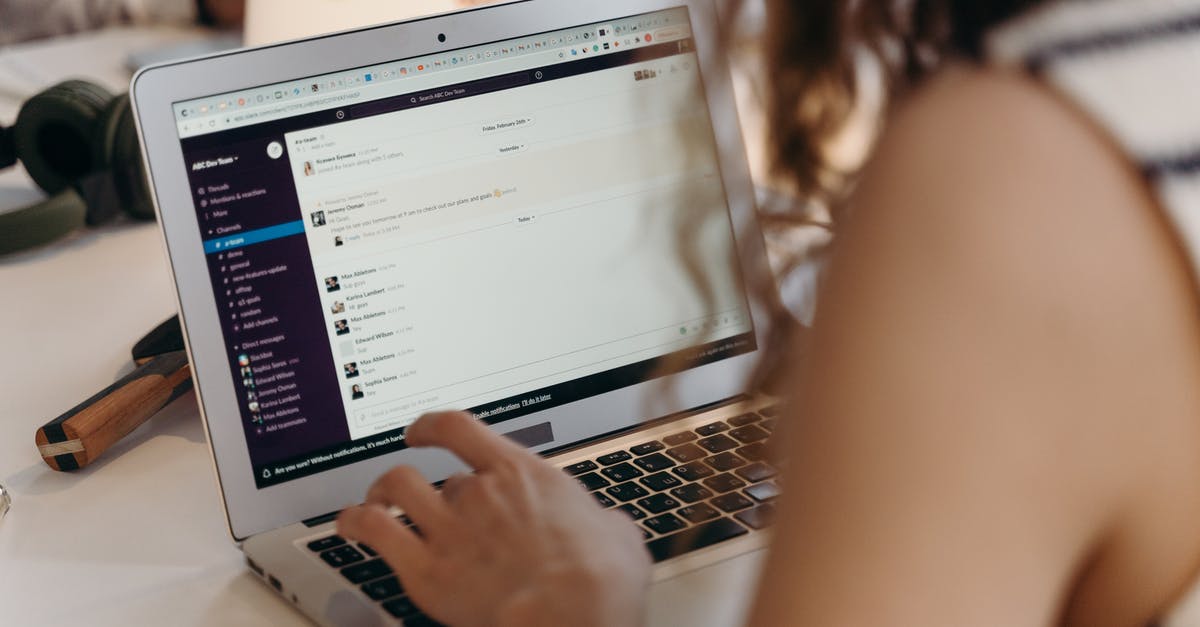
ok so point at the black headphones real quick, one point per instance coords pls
(79, 144)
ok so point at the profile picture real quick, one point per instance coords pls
(318, 218)
(253, 407)
(247, 371)
(248, 383)
(341, 327)
(351, 370)
(251, 396)
(337, 307)
(243, 360)
(331, 284)
(356, 392)
(338, 241)
(309, 170)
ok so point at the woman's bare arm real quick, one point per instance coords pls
(998, 423)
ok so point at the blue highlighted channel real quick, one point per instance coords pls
(253, 237)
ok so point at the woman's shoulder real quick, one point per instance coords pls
(996, 213)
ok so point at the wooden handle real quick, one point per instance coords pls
(78, 437)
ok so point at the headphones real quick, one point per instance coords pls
(79, 144)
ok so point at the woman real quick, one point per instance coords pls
(1001, 417)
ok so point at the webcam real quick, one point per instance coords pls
(442, 37)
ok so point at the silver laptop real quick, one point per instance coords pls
(540, 212)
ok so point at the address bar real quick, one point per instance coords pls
(388, 89)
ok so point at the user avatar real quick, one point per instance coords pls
(342, 327)
(251, 396)
(338, 241)
(243, 360)
(351, 370)
(247, 371)
(356, 392)
(318, 218)
(337, 307)
(332, 285)
(248, 382)
(253, 407)
(309, 170)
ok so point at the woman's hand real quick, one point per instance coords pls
(516, 543)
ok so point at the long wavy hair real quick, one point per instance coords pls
(814, 52)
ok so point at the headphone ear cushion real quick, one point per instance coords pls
(54, 132)
(118, 149)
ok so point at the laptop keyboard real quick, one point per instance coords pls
(686, 491)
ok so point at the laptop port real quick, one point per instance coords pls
(275, 583)
(255, 567)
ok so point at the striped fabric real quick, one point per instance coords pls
(1134, 67)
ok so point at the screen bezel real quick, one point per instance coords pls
(249, 510)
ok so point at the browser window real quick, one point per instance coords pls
(503, 238)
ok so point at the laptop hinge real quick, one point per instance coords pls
(317, 521)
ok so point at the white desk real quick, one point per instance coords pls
(138, 538)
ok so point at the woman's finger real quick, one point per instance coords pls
(469, 439)
(452, 485)
(400, 547)
(404, 487)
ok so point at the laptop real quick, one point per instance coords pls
(540, 212)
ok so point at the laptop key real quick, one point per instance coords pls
(366, 571)
(664, 524)
(581, 467)
(749, 433)
(712, 428)
(718, 443)
(768, 424)
(743, 420)
(754, 452)
(691, 493)
(725, 461)
(604, 500)
(675, 439)
(613, 458)
(383, 589)
(632, 511)
(759, 517)
(686, 453)
(723, 483)
(622, 472)
(758, 471)
(627, 492)
(732, 502)
(368, 550)
(697, 537)
(593, 481)
(647, 448)
(660, 481)
(770, 412)
(697, 513)
(342, 556)
(654, 462)
(766, 491)
(658, 503)
(401, 608)
(324, 544)
(694, 471)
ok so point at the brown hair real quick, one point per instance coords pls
(814, 51)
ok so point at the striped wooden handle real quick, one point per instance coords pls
(78, 437)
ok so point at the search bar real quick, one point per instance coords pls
(442, 94)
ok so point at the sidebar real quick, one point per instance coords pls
(268, 298)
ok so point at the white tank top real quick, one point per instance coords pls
(1133, 67)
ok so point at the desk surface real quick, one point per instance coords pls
(139, 538)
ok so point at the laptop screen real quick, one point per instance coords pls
(505, 229)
